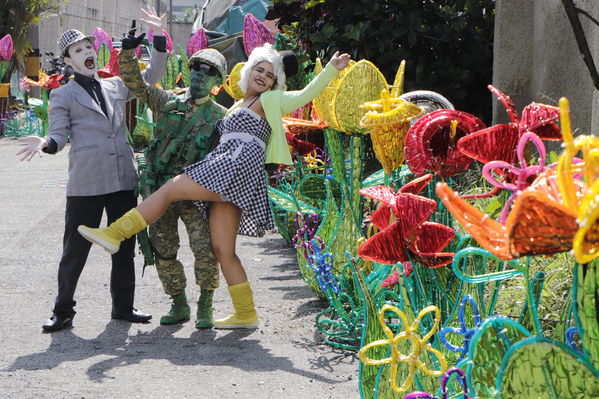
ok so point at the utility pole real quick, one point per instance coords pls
(170, 16)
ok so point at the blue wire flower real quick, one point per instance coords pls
(463, 330)
(322, 264)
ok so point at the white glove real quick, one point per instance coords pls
(31, 145)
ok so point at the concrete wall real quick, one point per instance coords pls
(536, 58)
(180, 33)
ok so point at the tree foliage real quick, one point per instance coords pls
(18, 16)
(447, 44)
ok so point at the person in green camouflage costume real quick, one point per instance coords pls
(185, 133)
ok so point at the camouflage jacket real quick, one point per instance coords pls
(169, 150)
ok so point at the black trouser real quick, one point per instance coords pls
(88, 211)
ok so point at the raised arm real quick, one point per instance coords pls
(157, 66)
(131, 75)
(292, 100)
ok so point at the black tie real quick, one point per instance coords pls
(98, 96)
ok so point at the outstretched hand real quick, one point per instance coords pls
(340, 61)
(154, 21)
(131, 41)
(31, 145)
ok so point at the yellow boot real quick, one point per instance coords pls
(245, 315)
(110, 237)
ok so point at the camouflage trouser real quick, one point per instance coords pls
(164, 235)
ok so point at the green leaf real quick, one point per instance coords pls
(494, 208)
(288, 203)
(185, 73)
(552, 157)
(487, 348)
(169, 79)
(103, 55)
(540, 368)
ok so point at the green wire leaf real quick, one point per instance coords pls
(103, 55)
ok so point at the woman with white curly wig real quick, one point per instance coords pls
(231, 178)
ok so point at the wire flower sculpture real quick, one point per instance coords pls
(498, 142)
(538, 222)
(405, 233)
(306, 233)
(586, 208)
(431, 143)
(516, 179)
(322, 264)
(444, 389)
(255, 34)
(388, 120)
(463, 330)
(418, 345)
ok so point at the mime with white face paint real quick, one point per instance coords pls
(90, 113)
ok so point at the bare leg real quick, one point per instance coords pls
(179, 188)
(224, 224)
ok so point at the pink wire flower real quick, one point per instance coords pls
(255, 34)
(101, 37)
(198, 41)
(6, 48)
(518, 178)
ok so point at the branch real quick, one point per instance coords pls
(581, 40)
(586, 14)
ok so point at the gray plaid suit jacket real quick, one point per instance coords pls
(101, 159)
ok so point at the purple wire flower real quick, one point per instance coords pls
(306, 231)
(444, 390)
(198, 41)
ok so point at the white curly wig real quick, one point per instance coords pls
(264, 53)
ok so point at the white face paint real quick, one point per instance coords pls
(82, 58)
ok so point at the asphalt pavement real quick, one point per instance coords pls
(103, 358)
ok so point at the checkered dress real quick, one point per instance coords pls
(235, 170)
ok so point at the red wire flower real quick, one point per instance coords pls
(111, 69)
(431, 143)
(405, 233)
(498, 143)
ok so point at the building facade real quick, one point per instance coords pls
(113, 16)
(536, 58)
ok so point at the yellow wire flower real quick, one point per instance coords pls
(418, 347)
(313, 161)
(586, 239)
(388, 120)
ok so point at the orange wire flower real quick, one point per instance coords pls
(405, 234)
(538, 223)
(43, 80)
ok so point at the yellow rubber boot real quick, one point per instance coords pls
(110, 237)
(245, 315)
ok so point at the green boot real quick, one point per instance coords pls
(204, 313)
(179, 310)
